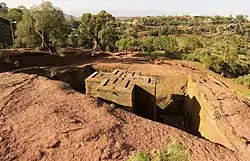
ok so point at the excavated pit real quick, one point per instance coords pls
(73, 76)
(175, 102)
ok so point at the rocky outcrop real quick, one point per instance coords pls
(45, 119)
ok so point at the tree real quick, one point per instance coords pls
(109, 35)
(77, 39)
(167, 44)
(129, 43)
(148, 44)
(15, 14)
(189, 43)
(43, 24)
(26, 35)
(92, 25)
(241, 18)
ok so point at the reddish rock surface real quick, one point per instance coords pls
(42, 119)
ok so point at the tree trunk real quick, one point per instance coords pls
(95, 48)
(43, 45)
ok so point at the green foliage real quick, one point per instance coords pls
(26, 35)
(167, 44)
(173, 152)
(139, 156)
(15, 15)
(209, 61)
(73, 22)
(147, 44)
(100, 28)
(188, 43)
(109, 35)
(243, 80)
(44, 25)
(130, 44)
(241, 18)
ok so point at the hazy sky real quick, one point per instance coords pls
(146, 7)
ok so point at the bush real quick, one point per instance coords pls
(173, 152)
(187, 44)
(167, 44)
(139, 156)
(147, 45)
(130, 44)
(214, 63)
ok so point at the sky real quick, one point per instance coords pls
(145, 7)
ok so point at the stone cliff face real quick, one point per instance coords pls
(198, 114)
(224, 116)
(207, 125)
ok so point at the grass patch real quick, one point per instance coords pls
(173, 152)
(242, 91)
(243, 80)
(139, 156)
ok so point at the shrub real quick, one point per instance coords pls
(147, 45)
(130, 44)
(173, 152)
(187, 44)
(167, 44)
(212, 62)
(139, 156)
